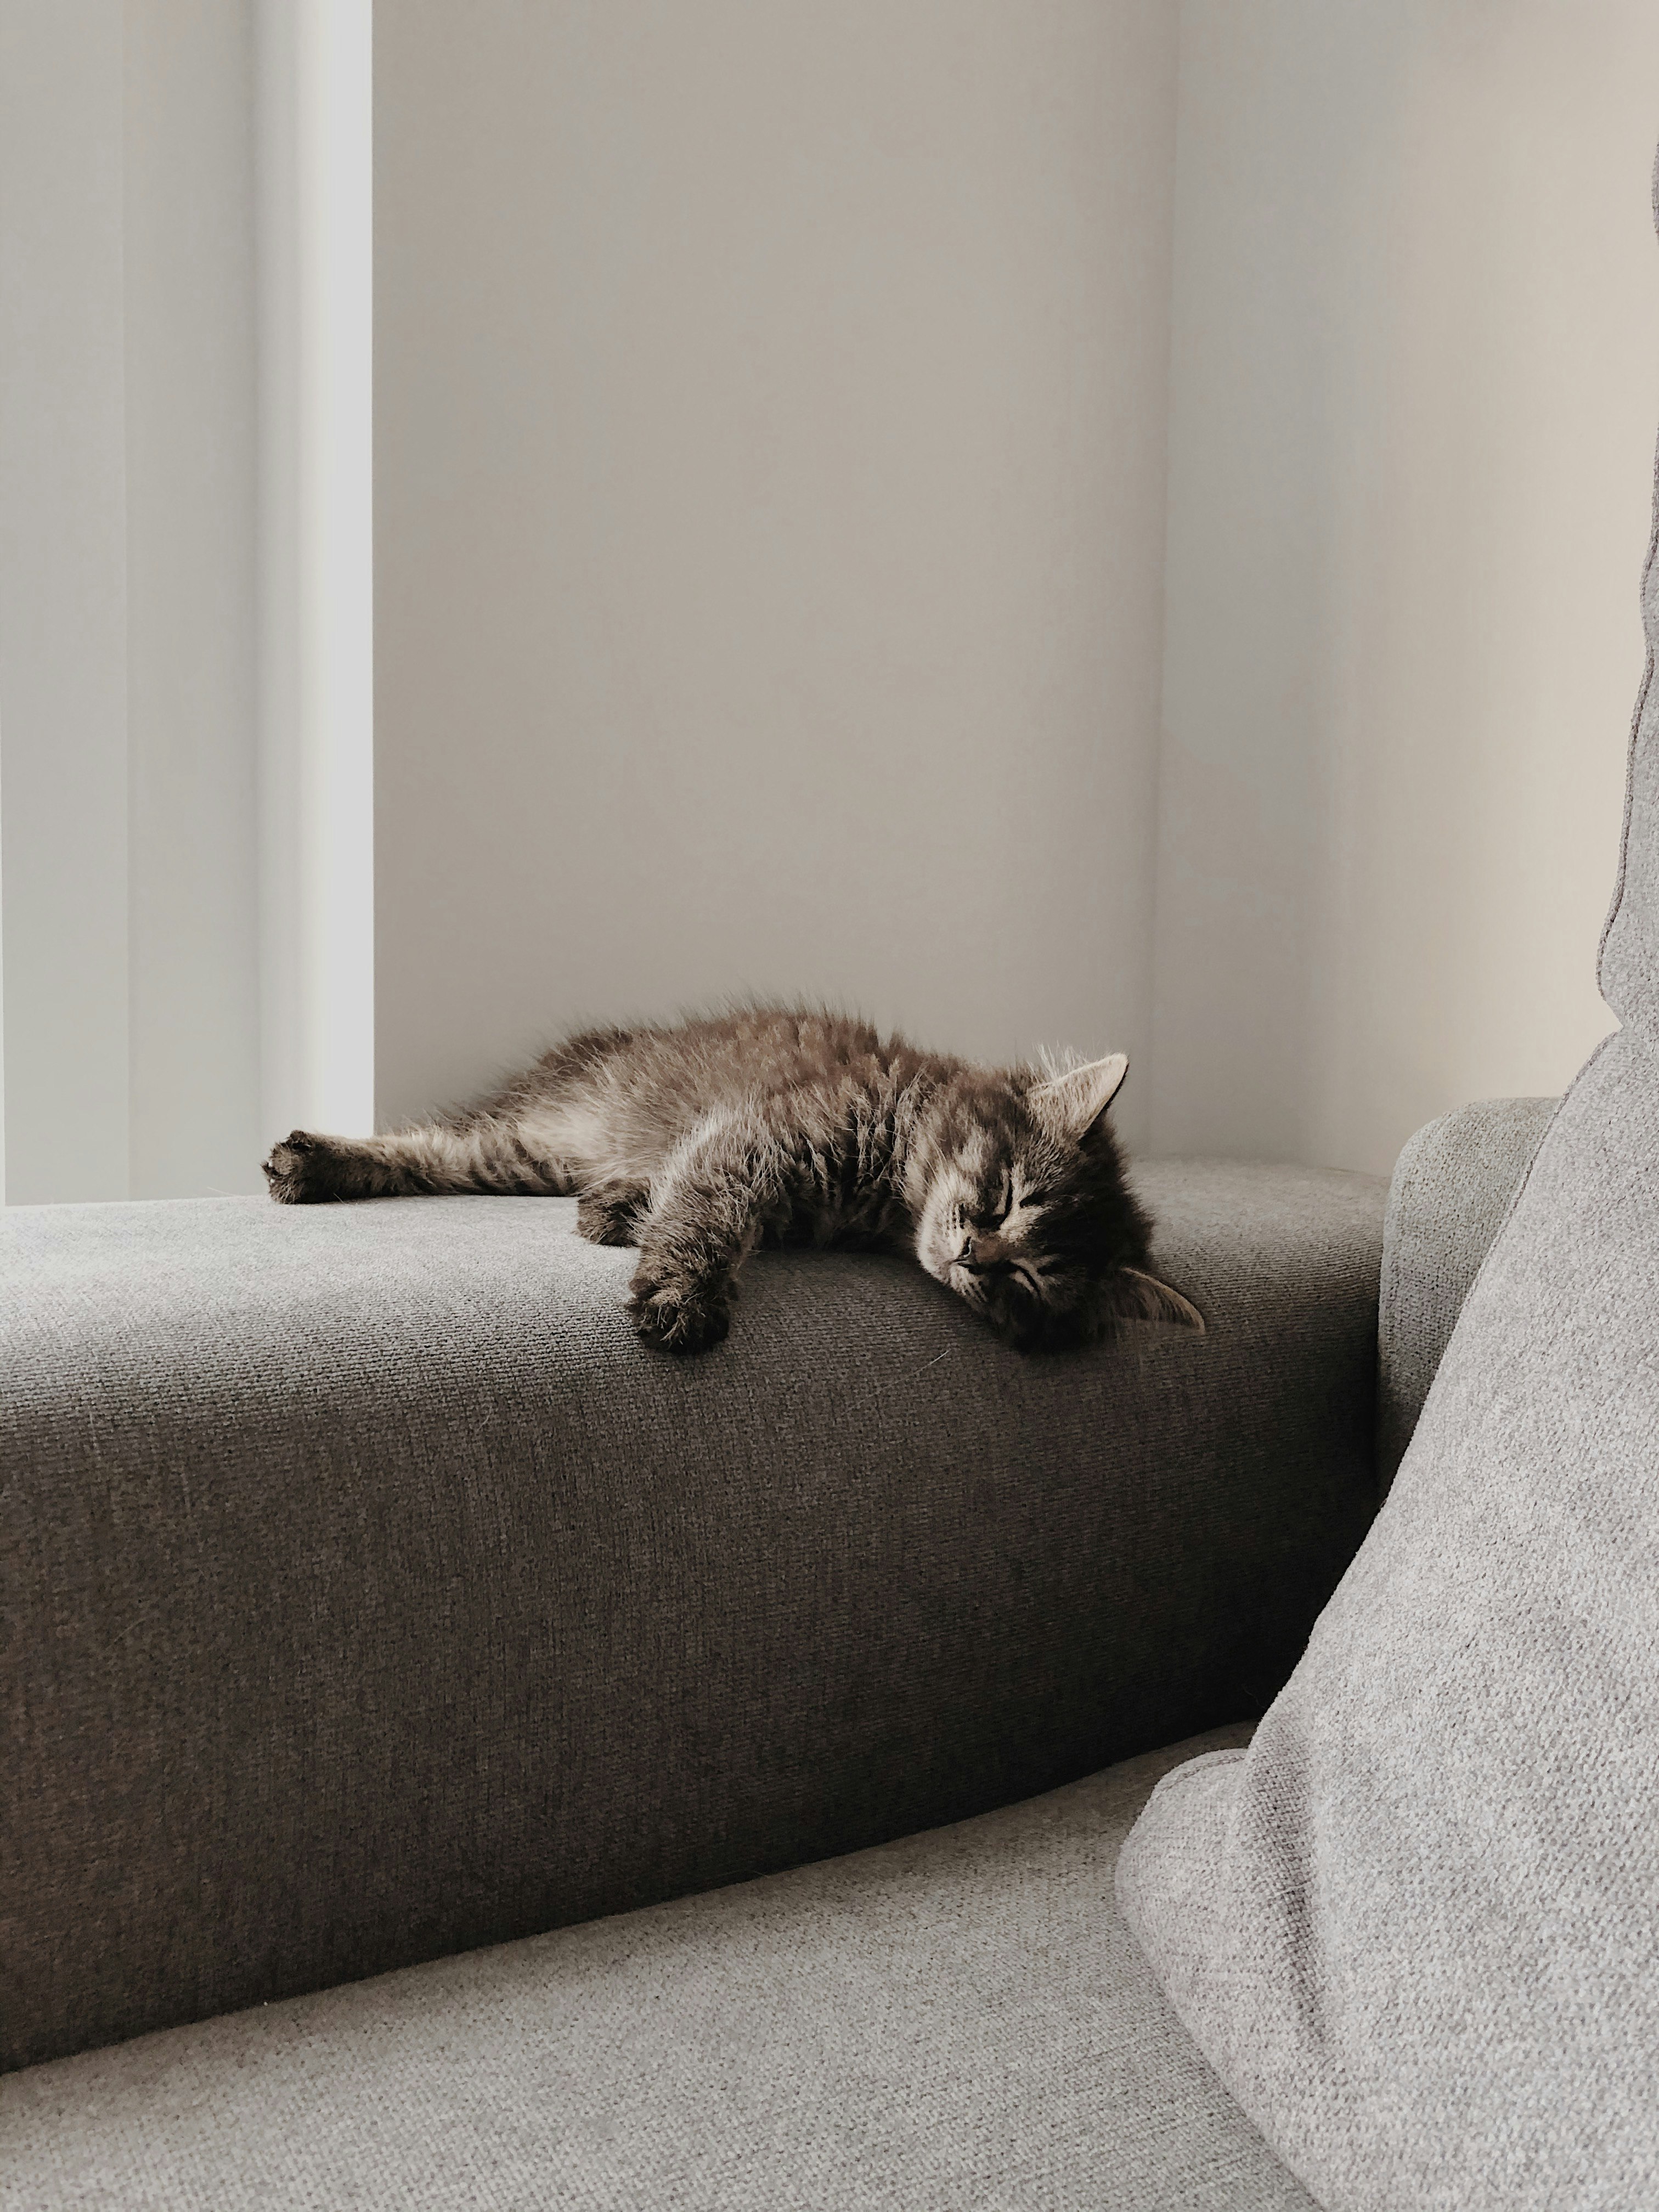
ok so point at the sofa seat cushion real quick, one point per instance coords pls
(956, 2019)
(372, 1594)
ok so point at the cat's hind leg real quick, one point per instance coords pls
(487, 1155)
(611, 1213)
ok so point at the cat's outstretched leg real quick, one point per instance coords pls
(487, 1155)
(708, 1210)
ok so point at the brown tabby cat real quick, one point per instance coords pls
(782, 1125)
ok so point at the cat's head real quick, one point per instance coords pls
(1023, 1211)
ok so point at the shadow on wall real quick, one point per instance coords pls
(1416, 328)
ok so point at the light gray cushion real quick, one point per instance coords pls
(1452, 1187)
(369, 1593)
(955, 2021)
(1416, 1927)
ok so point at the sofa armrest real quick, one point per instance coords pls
(368, 1593)
(1452, 1188)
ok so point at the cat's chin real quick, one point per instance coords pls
(1023, 1332)
(1047, 1333)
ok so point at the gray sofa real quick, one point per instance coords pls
(457, 1757)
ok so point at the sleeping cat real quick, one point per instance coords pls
(779, 1125)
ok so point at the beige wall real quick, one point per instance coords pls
(1415, 372)
(771, 591)
(769, 510)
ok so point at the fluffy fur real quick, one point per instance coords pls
(777, 1125)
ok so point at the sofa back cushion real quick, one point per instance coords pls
(1452, 1190)
(1416, 1926)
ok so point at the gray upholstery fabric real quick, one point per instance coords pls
(952, 2021)
(1452, 1187)
(371, 1594)
(1416, 1927)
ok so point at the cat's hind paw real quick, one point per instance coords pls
(678, 1314)
(299, 1170)
(605, 1218)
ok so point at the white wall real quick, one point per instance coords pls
(192, 661)
(186, 902)
(769, 508)
(1415, 339)
(63, 600)
(315, 267)
(126, 612)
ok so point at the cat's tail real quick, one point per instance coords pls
(485, 1155)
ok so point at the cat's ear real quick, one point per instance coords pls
(1138, 1296)
(1072, 1104)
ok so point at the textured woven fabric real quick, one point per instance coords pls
(1452, 1187)
(372, 1594)
(952, 2021)
(1416, 1927)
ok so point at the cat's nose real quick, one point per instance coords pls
(987, 1255)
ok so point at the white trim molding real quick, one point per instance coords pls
(316, 613)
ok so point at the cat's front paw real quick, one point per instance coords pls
(300, 1169)
(679, 1313)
